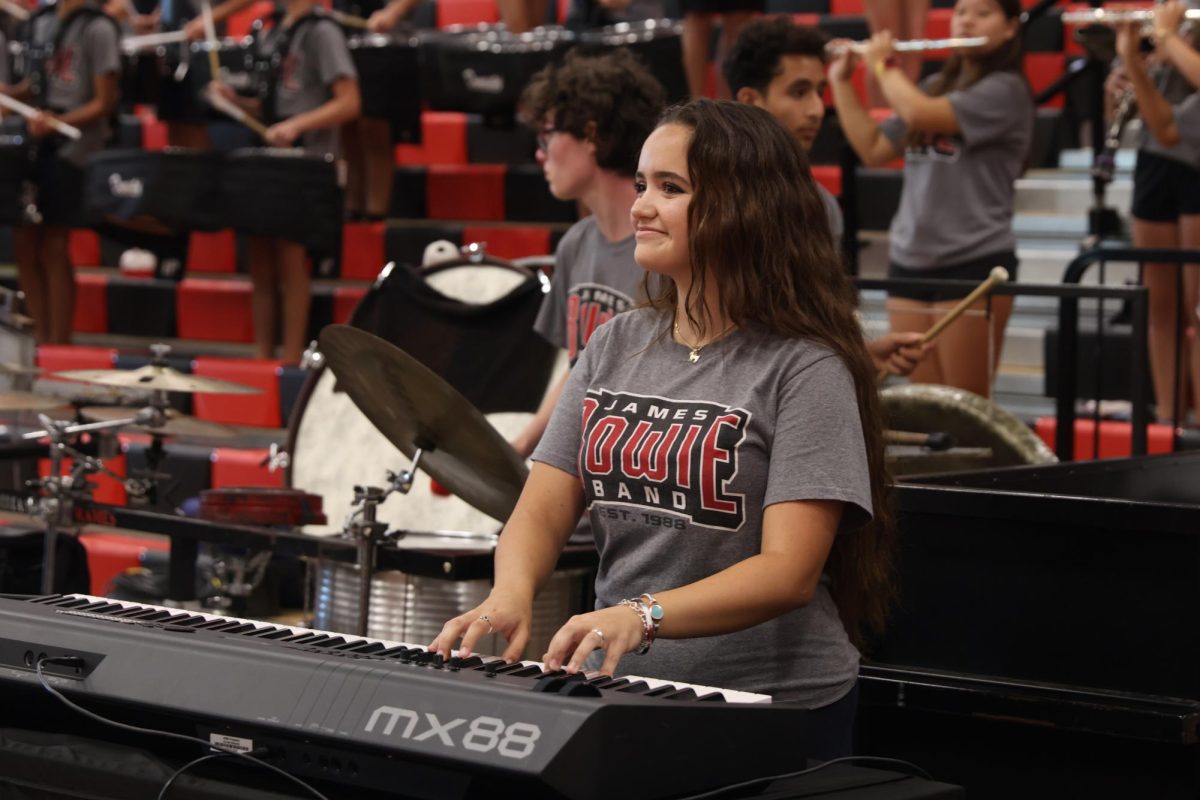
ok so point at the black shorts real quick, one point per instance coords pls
(60, 187)
(1164, 189)
(976, 270)
(722, 6)
(181, 101)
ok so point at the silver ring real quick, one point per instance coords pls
(599, 634)
(487, 619)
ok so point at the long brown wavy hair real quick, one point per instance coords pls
(758, 229)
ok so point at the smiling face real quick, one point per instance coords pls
(983, 18)
(660, 213)
(795, 97)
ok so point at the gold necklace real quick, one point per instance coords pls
(694, 349)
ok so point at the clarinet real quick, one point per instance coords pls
(1105, 164)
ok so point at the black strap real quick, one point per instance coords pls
(275, 61)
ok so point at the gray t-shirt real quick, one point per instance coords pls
(594, 280)
(1187, 120)
(836, 224)
(88, 50)
(1176, 90)
(678, 462)
(317, 57)
(957, 201)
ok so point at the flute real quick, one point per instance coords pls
(136, 44)
(1108, 16)
(916, 45)
(29, 112)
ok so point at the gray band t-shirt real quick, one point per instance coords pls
(957, 201)
(678, 462)
(317, 57)
(594, 280)
(1187, 120)
(837, 224)
(87, 50)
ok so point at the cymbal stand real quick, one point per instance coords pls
(362, 525)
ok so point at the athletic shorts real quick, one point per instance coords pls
(60, 186)
(976, 270)
(1164, 189)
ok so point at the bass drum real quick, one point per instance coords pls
(984, 434)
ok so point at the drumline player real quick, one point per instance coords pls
(1166, 195)
(592, 114)
(79, 86)
(965, 134)
(780, 66)
(312, 93)
(726, 442)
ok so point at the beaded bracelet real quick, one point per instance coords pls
(647, 627)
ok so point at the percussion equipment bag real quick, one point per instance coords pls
(482, 81)
(21, 562)
(291, 197)
(181, 190)
(489, 353)
(391, 87)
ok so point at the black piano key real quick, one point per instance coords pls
(244, 627)
(301, 638)
(75, 603)
(662, 690)
(515, 667)
(470, 662)
(581, 689)
(550, 683)
(100, 606)
(714, 697)
(177, 619)
(637, 687)
(362, 647)
(279, 633)
(609, 682)
(681, 694)
(265, 632)
(399, 651)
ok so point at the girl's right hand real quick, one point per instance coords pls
(844, 61)
(1117, 82)
(502, 612)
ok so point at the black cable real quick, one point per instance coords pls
(73, 661)
(194, 762)
(879, 760)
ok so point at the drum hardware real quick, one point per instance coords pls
(27, 401)
(277, 459)
(163, 421)
(914, 45)
(997, 276)
(311, 359)
(210, 36)
(935, 440)
(418, 412)
(157, 376)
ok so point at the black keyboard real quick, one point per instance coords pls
(374, 714)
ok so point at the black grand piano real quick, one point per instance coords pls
(1047, 635)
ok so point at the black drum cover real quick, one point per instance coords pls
(484, 72)
(15, 169)
(656, 42)
(283, 193)
(389, 73)
(166, 191)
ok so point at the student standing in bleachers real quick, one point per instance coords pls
(313, 91)
(698, 18)
(591, 114)
(965, 135)
(76, 84)
(780, 66)
(1166, 198)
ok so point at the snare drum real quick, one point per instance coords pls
(159, 192)
(485, 71)
(284, 193)
(657, 42)
(389, 74)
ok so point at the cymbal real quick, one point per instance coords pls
(26, 401)
(414, 408)
(9, 368)
(177, 424)
(157, 378)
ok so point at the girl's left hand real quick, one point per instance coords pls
(283, 134)
(616, 630)
(1168, 18)
(39, 125)
(880, 48)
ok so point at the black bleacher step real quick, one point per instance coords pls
(845, 26)
(797, 6)
(141, 307)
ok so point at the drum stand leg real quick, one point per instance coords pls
(366, 531)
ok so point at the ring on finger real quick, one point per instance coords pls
(488, 620)
(599, 635)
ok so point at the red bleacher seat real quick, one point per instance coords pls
(937, 23)
(846, 7)
(830, 177)
(516, 242)
(809, 20)
(154, 132)
(443, 140)
(84, 247)
(1043, 69)
(214, 310)
(362, 250)
(1115, 438)
(233, 466)
(345, 300)
(61, 357)
(110, 554)
(239, 23)
(108, 489)
(212, 252)
(91, 303)
(240, 409)
(466, 12)
(468, 192)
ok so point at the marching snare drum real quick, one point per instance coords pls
(657, 42)
(389, 75)
(160, 192)
(284, 193)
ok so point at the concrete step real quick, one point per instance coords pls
(1080, 160)
(1056, 191)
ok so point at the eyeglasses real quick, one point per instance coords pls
(543, 138)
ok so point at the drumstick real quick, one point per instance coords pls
(29, 112)
(231, 109)
(210, 36)
(349, 20)
(14, 10)
(938, 440)
(134, 44)
(997, 276)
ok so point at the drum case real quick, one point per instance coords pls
(178, 188)
(284, 194)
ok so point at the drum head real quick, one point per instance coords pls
(972, 421)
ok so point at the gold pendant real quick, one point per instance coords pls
(694, 356)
